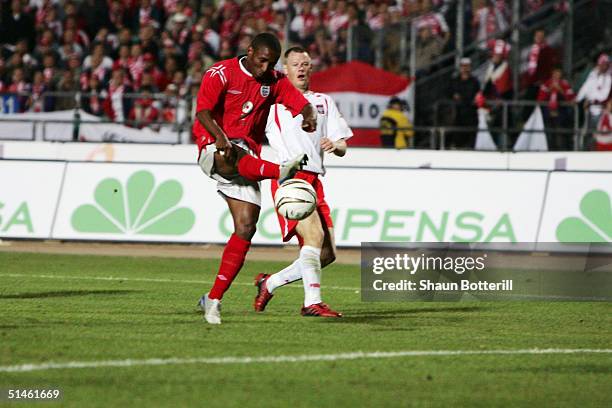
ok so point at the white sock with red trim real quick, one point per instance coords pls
(310, 258)
(290, 274)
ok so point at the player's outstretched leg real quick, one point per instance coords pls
(245, 217)
(266, 284)
(307, 267)
(256, 169)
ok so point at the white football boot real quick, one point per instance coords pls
(288, 169)
(211, 309)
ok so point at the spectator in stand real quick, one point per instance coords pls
(66, 85)
(498, 76)
(96, 68)
(303, 24)
(594, 93)
(94, 16)
(338, 18)
(178, 28)
(124, 38)
(80, 36)
(266, 11)
(74, 68)
(542, 59)
(362, 34)
(463, 90)
(490, 19)
(395, 127)
(147, 81)
(149, 13)
(226, 51)
(555, 91)
(117, 15)
(94, 95)
(435, 21)
(117, 106)
(136, 63)
(26, 60)
(98, 57)
(210, 36)
(428, 49)
(20, 86)
(69, 46)
(16, 23)
(123, 60)
(152, 69)
(603, 137)
(51, 72)
(278, 25)
(36, 102)
(147, 37)
(143, 114)
(229, 21)
(51, 22)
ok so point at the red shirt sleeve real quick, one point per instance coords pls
(213, 86)
(288, 95)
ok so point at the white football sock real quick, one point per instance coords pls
(290, 274)
(311, 274)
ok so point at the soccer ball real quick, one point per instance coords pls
(295, 199)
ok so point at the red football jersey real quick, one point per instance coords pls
(240, 104)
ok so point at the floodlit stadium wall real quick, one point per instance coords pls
(176, 202)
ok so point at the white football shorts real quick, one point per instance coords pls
(236, 187)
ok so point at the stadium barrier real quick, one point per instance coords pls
(358, 157)
(144, 202)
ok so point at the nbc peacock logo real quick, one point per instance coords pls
(140, 207)
(594, 224)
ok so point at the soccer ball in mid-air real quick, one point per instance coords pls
(295, 199)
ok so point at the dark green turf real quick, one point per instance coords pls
(63, 320)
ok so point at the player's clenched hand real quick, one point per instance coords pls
(327, 145)
(309, 123)
(225, 148)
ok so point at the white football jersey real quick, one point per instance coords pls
(288, 139)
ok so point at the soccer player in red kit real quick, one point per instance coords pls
(232, 109)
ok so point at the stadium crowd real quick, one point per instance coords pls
(120, 54)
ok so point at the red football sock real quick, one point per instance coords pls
(255, 169)
(233, 257)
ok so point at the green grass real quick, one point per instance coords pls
(60, 320)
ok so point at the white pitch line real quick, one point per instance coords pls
(285, 359)
(117, 278)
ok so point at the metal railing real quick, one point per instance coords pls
(27, 102)
(508, 118)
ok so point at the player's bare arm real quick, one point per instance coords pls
(337, 147)
(227, 152)
(309, 124)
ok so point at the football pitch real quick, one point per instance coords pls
(124, 331)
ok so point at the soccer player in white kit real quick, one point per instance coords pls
(315, 233)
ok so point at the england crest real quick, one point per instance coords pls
(264, 90)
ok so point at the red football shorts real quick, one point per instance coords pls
(288, 226)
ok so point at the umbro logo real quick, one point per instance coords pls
(234, 91)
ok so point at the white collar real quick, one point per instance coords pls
(243, 68)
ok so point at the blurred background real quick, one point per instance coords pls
(427, 74)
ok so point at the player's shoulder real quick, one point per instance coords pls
(223, 68)
(320, 96)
